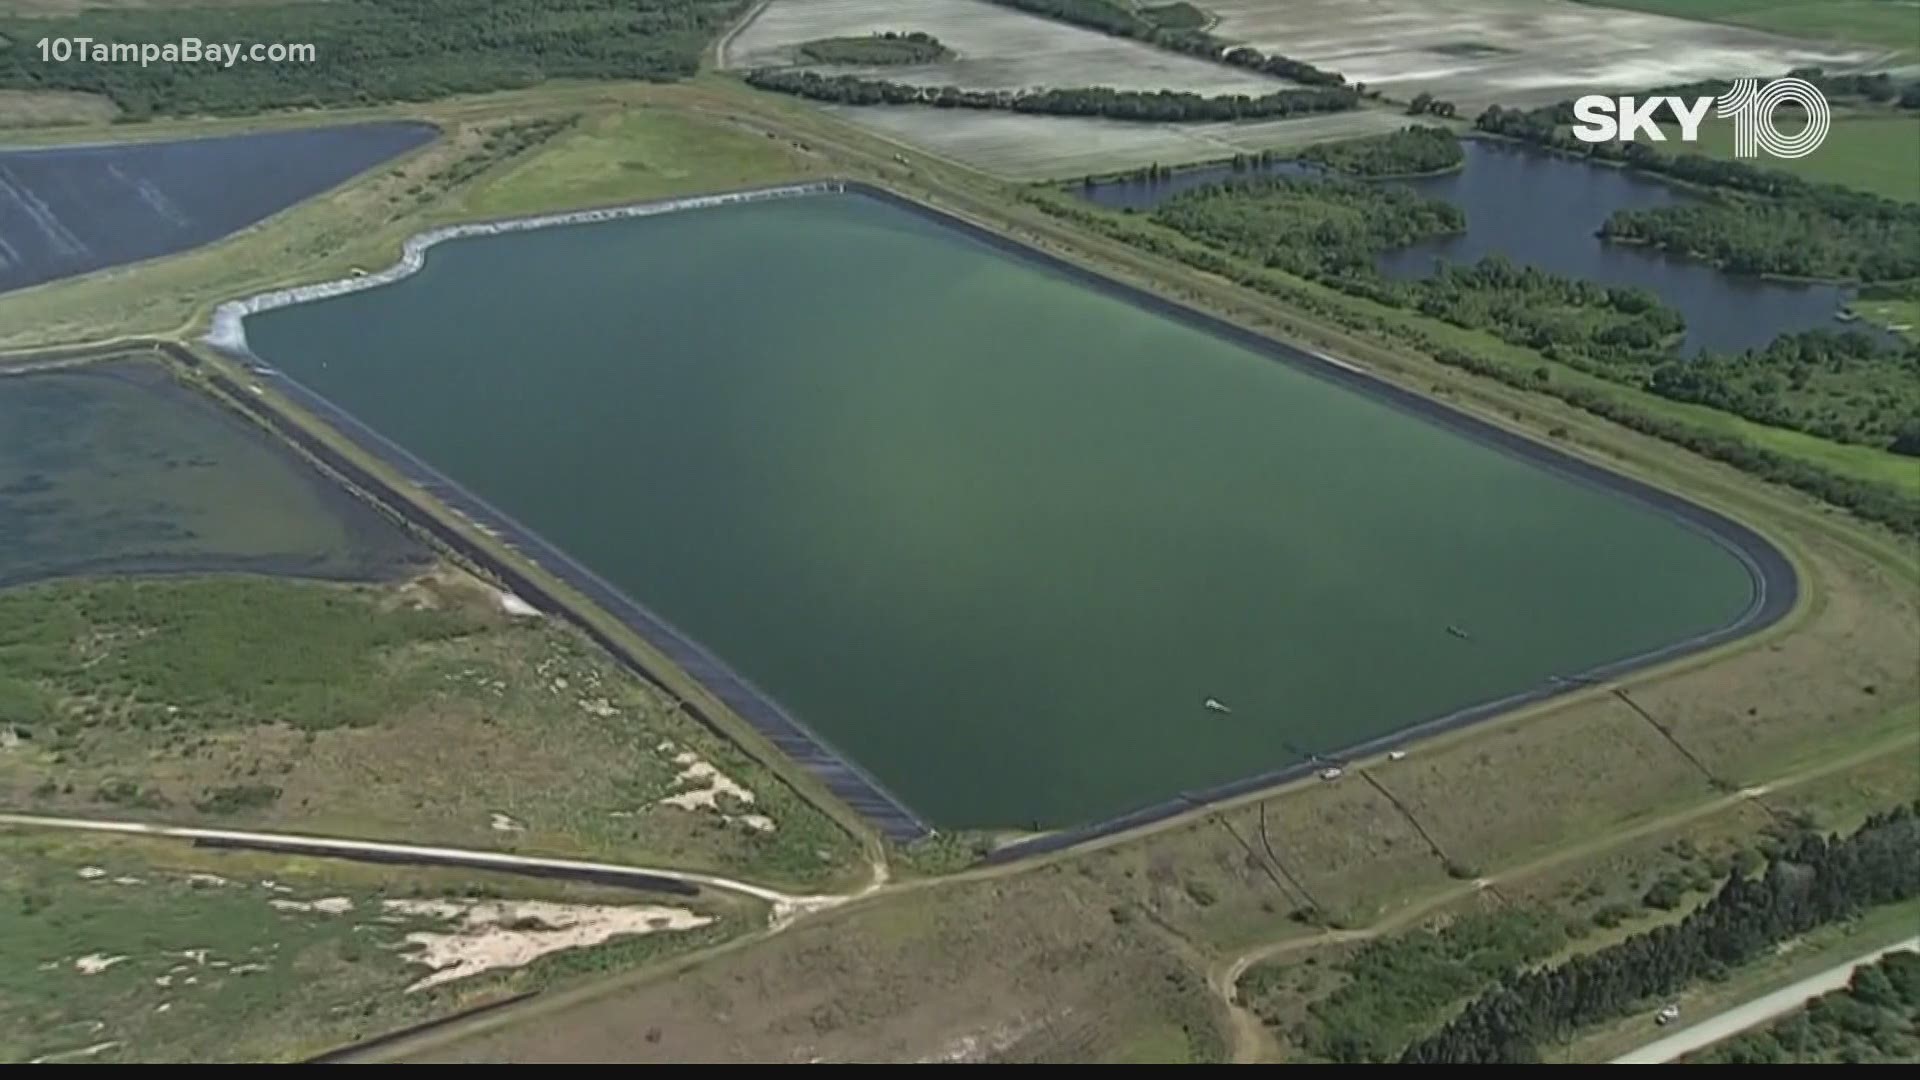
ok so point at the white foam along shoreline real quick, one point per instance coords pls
(229, 333)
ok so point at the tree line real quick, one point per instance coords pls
(1142, 105)
(1882, 503)
(368, 50)
(883, 47)
(1169, 28)
(1414, 151)
(1873, 1020)
(1813, 881)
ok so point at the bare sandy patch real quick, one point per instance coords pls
(49, 108)
(497, 934)
(95, 963)
(326, 905)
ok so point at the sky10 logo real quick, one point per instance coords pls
(1749, 105)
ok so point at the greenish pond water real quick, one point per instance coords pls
(113, 468)
(995, 535)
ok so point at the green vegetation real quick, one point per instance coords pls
(117, 466)
(155, 951)
(881, 47)
(1881, 24)
(1862, 151)
(1415, 151)
(418, 712)
(1176, 27)
(1758, 219)
(1156, 106)
(1874, 1020)
(1394, 989)
(368, 50)
(1811, 881)
(1326, 234)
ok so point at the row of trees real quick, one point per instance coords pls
(1879, 502)
(1873, 1020)
(1813, 881)
(1100, 101)
(1169, 27)
(1414, 151)
(367, 50)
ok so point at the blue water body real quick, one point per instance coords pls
(1545, 210)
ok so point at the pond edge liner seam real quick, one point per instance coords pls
(1774, 580)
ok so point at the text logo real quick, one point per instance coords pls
(1750, 106)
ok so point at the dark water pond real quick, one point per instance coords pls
(1544, 210)
(67, 210)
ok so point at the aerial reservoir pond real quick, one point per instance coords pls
(67, 210)
(113, 467)
(1544, 210)
(995, 534)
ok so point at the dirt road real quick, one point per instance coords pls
(1756, 1012)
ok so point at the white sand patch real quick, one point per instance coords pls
(273, 886)
(247, 969)
(163, 981)
(506, 823)
(163, 1006)
(91, 873)
(598, 707)
(513, 605)
(126, 880)
(95, 963)
(713, 784)
(326, 905)
(756, 822)
(69, 1055)
(9, 738)
(206, 879)
(496, 934)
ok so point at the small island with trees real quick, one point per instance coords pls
(886, 47)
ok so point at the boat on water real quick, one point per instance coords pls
(1215, 705)
(1459, 633)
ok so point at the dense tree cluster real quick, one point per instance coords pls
(1169, 27)
(1848, 387)
(1855, 238)
(1883, 503)
(886, 47)
(1873, 1020)
(1813, 881)
(1144, 105)
(1415, 151)
(368, 50)
(1425, 104)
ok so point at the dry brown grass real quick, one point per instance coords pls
(1027, 968)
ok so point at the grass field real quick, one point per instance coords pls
(420, 713)
(1877, 151)
(1880, 24)
(124, 950)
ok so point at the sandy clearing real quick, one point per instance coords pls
(513, 605)
(326, 905)
(494, 934)
(90, 873)
(206, 879)
(994, 48)
(696, 770)
(505, 823)
(1528, 51)
(95, 963)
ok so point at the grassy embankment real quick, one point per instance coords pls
(1876, 24)
(1749, 713)
(120, 949)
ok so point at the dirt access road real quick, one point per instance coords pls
(1755, 1012)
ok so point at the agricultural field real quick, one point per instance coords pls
(424, 713)
(1515, 52)
(1000, 48)
(131, 950)
(116, 467)
(1878, 24)
(70, 210)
